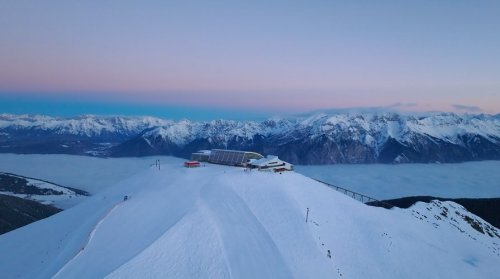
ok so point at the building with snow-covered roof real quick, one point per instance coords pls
(201, 156)
(225, 156)
(232, 157)
(271, 163)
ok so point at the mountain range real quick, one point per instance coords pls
(321, 138)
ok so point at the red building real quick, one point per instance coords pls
(192, 164)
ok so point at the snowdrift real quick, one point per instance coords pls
(222, 222)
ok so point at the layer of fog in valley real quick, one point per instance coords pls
(463, 180)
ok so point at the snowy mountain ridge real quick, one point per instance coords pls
(222, 222)
(322, 138)
(86, 125)
(450, 214)
(444, 125)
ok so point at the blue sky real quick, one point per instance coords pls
(67, 108)
(253, 57)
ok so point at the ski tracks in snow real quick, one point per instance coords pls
(250, 250)
(89, 238)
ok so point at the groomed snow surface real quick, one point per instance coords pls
(223, 222)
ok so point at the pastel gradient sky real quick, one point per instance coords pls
(256, 56)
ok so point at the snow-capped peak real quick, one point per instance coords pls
(330, 138)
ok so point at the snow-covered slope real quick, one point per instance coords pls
(222, 222)
(317, 139)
